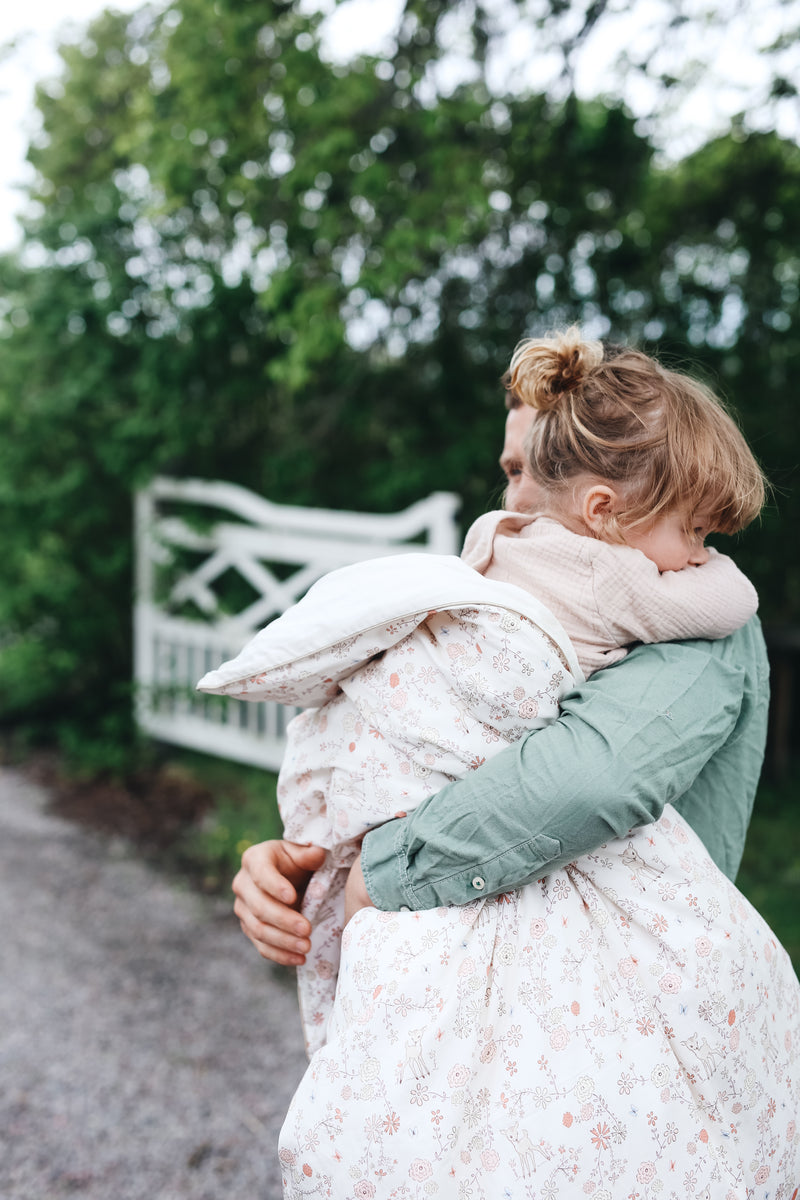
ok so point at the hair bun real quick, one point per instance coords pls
(544, 370)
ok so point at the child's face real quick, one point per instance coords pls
(668, 545)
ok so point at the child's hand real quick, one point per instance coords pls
(356, 895)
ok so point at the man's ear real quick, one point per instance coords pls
(599, 503)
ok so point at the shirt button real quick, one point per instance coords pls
(404, 908)
(478, 883)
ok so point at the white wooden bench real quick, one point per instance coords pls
(190, 534)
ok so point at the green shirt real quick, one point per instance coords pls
(680, 722)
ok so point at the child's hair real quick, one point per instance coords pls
(616, 414)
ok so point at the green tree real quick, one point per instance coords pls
(248, 263)
(726, 226)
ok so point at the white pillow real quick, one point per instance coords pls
(356, 612)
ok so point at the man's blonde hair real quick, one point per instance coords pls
(614, 413)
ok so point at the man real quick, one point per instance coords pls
(681, 723)
(522, 492)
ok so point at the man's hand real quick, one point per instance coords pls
(269, 888)
(356, 895)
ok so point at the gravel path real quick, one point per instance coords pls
(146, 1051)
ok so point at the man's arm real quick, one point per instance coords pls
(635, 737)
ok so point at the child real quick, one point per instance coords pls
(636, 465)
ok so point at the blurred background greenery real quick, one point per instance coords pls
(244, 261)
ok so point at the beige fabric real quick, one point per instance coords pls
(607, 596)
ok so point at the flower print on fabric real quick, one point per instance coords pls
(626, 1026)
(598, 1059)
(428, 710)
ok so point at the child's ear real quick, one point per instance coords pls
(599, 503)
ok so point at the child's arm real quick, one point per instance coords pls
(638, 603)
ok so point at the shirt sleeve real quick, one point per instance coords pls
(632, 739)
(638, 603)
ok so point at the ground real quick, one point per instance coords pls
(151, 810)
(148, 1052)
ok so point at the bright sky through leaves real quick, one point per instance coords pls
(719, 62)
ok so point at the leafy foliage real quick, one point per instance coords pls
(248, 263)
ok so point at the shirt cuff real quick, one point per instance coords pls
(385, 860)
(383, 863)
